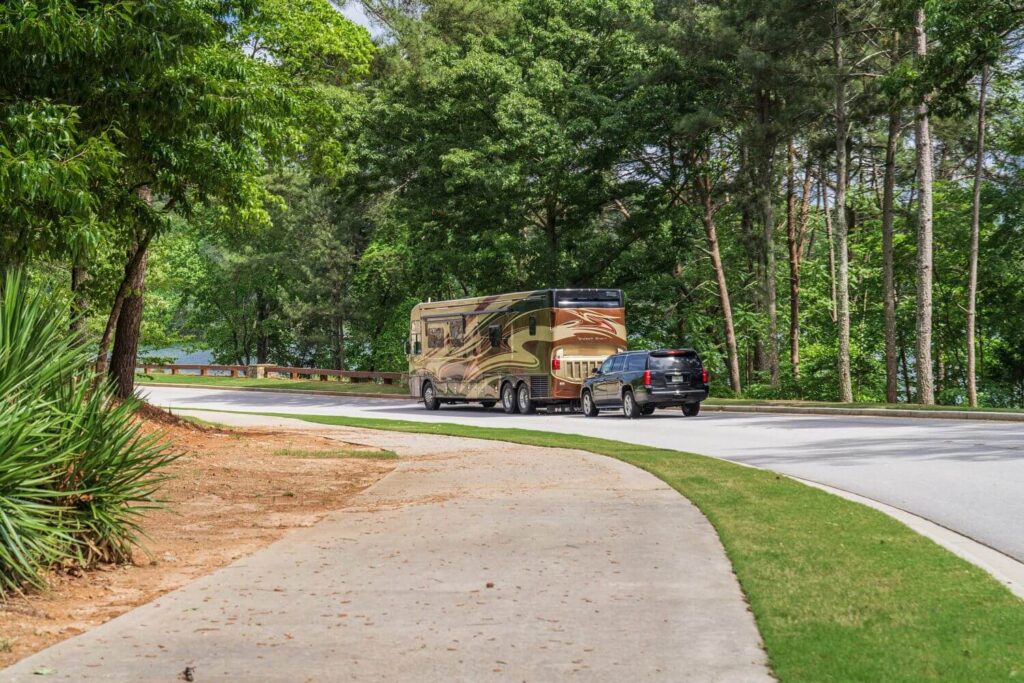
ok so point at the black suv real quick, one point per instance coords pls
(641, 381)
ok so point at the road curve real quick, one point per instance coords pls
(967, 476)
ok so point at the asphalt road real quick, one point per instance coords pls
(964, 475)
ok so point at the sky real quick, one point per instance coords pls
(353, 9)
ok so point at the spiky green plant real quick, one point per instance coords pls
(75, 469)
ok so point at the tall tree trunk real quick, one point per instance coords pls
(805, 205)
(972, 284)
(339, 343)
(793, 243)
(888, 271)
(768, 225)
(551, 230)
(766, 212)
(262, 338)
(126, 340)
(907, 393)
(755, 268)
(711, 233)
(829, 235)
(925, 384)
(135, 260)
(79, 302)
(127, 313)
(841, 237)
(755, 262)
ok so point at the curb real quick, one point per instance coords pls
(1009, 571)
(867, 412)
(274, 390)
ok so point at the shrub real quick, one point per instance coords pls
(75, 469)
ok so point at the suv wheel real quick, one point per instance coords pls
(430, 400)
(630, 408)
(526, 404)
(588, 405)
(691, 409)
(508, 399)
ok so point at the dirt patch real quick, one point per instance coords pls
(232, 493)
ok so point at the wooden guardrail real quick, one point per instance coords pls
(266, 370)
(203, 370)
(351, 375)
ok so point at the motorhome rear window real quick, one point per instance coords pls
(588, 298)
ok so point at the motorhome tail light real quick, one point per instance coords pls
(704, 375)
(556, 363)
(647, 377)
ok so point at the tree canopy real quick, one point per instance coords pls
(750, 172)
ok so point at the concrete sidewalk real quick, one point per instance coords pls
(472, 561)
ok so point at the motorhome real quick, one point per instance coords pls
(526, 349)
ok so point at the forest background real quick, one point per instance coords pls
(826, 199)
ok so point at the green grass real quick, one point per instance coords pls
(826, 404)
(330, 387)
(204, 423)
(337, 453)
(840, 592)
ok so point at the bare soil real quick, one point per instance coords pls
(230, 495)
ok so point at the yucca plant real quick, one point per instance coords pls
(114, 479)
(75, 470)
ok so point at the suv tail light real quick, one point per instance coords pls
(704, 375)
(647, 377)
(556, 363)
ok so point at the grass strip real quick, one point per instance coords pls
(840, 592)
(330, 387)
(337, 453)
(205, 423)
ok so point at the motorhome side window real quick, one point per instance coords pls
(494, 332)
(435, 337)
(533, 326)
(455, 331)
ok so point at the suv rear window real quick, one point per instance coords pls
(669, 363)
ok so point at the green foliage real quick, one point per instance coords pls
(75, 469)
(320, 185)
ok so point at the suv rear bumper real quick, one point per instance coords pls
(670, 397)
